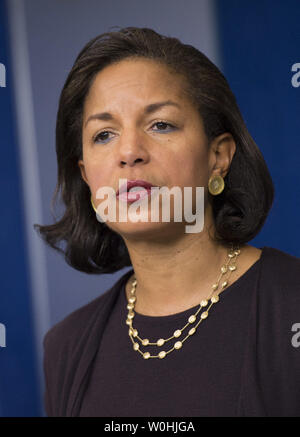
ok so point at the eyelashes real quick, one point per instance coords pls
(102, 137)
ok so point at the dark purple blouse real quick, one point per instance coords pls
(240, 362)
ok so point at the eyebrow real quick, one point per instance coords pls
(149, 109)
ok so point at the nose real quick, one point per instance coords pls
(132, 149)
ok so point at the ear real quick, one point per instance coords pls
(222, 150)
(82, 170)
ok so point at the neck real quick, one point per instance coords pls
(175, 275)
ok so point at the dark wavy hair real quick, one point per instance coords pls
(239, 211)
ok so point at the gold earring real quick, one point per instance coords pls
(216, 185)
(94, 208)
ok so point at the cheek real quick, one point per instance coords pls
(97, 175)
(200, 171)
(191, 169)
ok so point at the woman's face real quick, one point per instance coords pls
(165, 146)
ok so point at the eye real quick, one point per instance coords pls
(102, 137)
(162, 126)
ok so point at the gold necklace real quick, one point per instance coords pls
(227, 268)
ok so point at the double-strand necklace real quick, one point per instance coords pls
(227, 268)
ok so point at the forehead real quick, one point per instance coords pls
(141, 77)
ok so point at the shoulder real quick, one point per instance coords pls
(279, 284)
(279, 255)
(276, 318)
(74, 324)
(69, 347)
(280, 267)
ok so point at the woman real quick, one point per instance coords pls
(202, 324)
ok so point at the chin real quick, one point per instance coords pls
(147, 230)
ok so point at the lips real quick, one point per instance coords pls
(134, 183)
